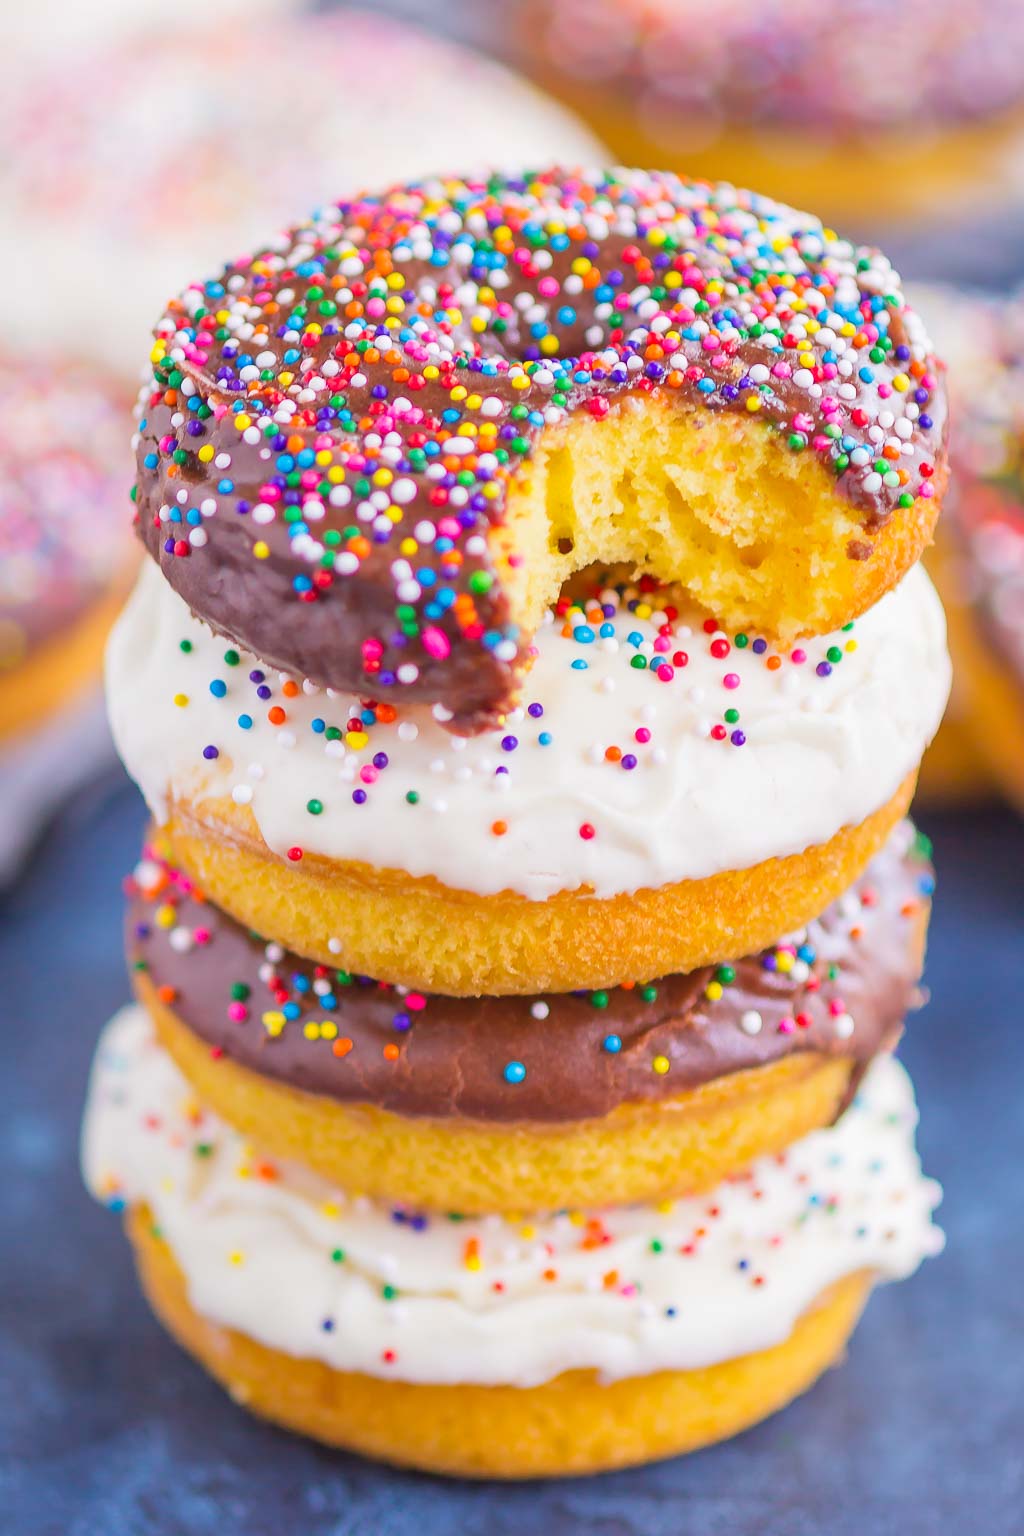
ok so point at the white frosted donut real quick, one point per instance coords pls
(626, 767)
(535, 1302)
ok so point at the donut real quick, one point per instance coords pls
(953, 772)
(49, 30)
(511, 1104)
(979, 561)
(865, 111)
(503, 1346)
(374, 452)
(669, 793)
(66, 551)
(176, 143)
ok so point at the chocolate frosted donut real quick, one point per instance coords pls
(841, 988)
(374, 452)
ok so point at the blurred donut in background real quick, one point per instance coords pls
(978, 560)
(175, 148)
(66, 548)
(869, 112)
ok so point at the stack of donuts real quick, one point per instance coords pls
(527, 683)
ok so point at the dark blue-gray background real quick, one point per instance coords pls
(106, 1429)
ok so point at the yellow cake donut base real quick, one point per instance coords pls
(56, 672)
(419, 933)
(638, 1152)
(573, 1424)
(756, 534)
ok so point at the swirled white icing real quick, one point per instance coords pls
(623, 770)
(275, 1253)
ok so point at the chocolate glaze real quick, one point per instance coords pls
(448, 1057)
(353, 629)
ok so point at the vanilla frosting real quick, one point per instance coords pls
(273, 1252)
(626, 767)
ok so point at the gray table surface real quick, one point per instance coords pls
(106, 1429)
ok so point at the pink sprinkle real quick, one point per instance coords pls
(731, 680)
(436, 642)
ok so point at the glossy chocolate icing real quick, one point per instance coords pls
(840, 989)
(375, 564)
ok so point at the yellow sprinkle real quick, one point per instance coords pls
(205, 453)
(286, 378)
(274, 1021)
(330, 1209)
(753, 402)
(661, 1065)
(236, 1257)
(242, 421)
(473, 1261)
(713, 991)
(356, 739)
(311, 1030)
(261, 550)
(181, 699)
(165, 916)
(328, 1031)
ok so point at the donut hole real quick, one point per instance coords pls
(753, 531)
